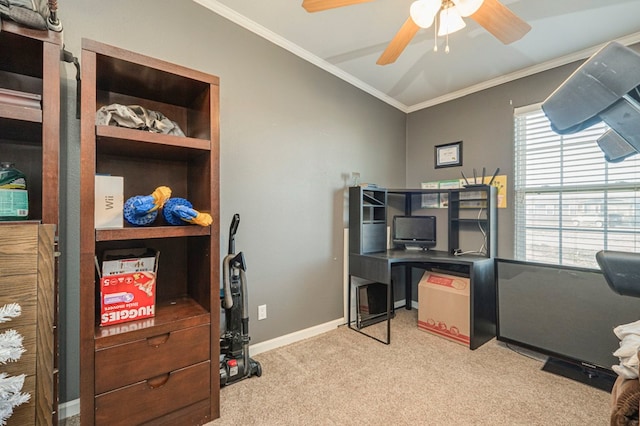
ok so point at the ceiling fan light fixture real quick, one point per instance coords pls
(467, 7)
(423, 12)
(450, 21)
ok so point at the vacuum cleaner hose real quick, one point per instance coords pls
(228, 300)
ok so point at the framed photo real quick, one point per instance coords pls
(449, 155)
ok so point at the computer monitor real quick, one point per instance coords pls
(414, 231)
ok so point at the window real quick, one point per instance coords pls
(570, 202)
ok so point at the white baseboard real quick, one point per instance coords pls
(308, 332)
(294, 337)
(72, 408)
(68, 409)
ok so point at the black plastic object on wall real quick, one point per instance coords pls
(621, 271)
(604, 88)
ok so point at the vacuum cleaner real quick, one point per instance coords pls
(235, 363)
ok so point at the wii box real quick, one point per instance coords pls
(109, 201)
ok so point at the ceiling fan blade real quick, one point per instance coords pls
(320, 5)
(500, 21)
(399, 42)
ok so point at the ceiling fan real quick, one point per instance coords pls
(492, 15)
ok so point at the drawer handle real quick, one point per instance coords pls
(158, 340)
(158, 381)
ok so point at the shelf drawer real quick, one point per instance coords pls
(120, 365)
(155, 397)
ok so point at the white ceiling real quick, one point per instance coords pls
(347, 42)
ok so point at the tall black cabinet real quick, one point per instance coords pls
(367, 219)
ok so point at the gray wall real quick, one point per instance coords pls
(291, 134)
(484, 122)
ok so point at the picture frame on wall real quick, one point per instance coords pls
(448, 155)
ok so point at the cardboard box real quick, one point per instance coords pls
(443, 306)
(127, 297)
(127, 285)
(109, 201)
(128, 265)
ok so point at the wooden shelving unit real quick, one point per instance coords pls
(160, 370)
(30, 138)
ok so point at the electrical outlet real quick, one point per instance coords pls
(262, 312)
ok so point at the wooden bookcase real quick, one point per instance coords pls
(162, 370)
(30, 138)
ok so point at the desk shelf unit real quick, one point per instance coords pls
(468, 208)
(161, 370)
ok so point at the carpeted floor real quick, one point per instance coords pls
(344, 378)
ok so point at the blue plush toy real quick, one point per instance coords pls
(179, 211)
(142, 210)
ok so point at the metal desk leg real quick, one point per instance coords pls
(408, 282)
(389, 303)
(349, 303)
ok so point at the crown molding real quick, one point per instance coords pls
(280, 41)
(525, 72)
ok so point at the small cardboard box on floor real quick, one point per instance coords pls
(127, 285)
(443, 306)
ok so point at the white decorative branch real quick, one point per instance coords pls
(11, 348)
(11, 395)
(9, 311)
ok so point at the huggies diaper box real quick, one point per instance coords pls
(127, 285)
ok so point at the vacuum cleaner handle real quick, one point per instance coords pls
(232, 232)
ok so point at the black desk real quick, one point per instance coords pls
(481, 271)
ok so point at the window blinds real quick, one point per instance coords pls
(570, 203)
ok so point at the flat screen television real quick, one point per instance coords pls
(414, 231)
(567, 313)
